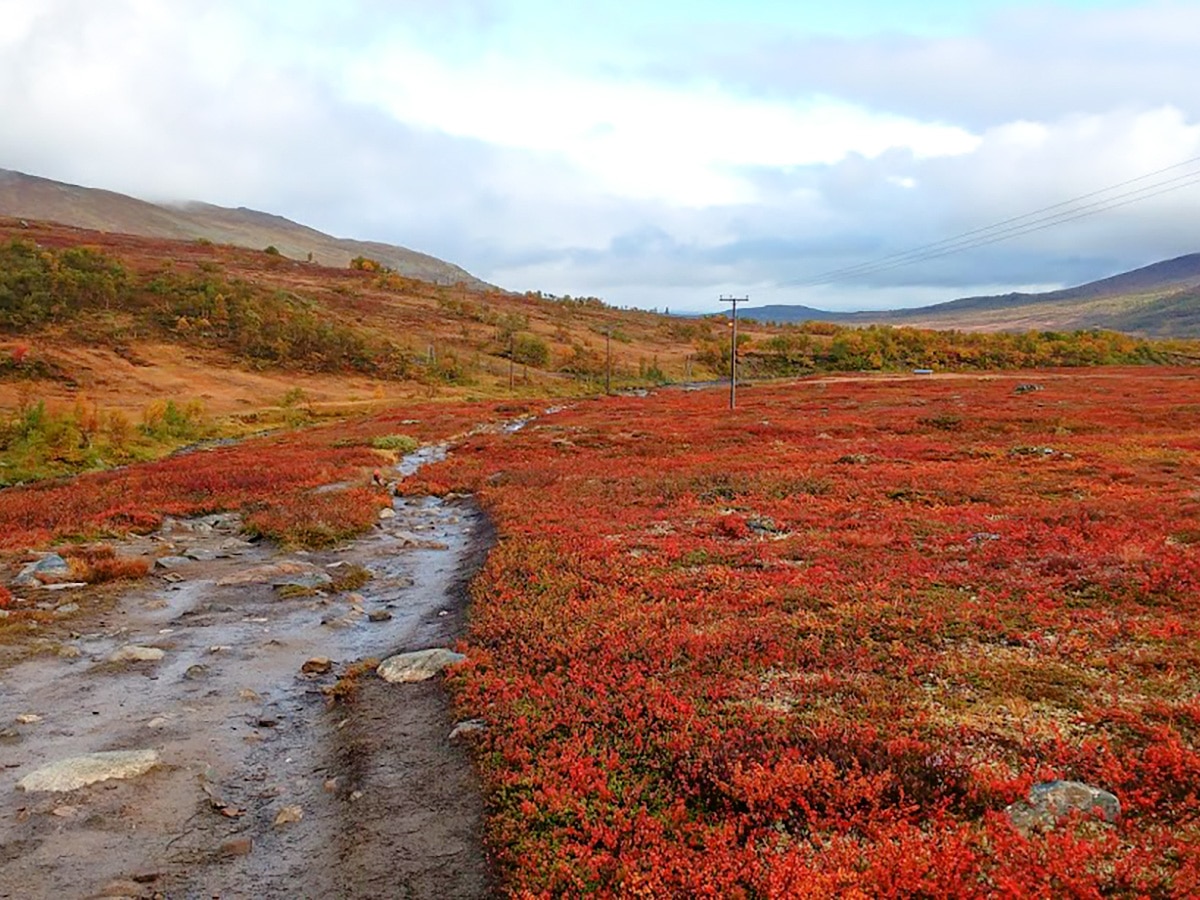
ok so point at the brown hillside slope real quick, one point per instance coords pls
(450, 341)
(30, 197)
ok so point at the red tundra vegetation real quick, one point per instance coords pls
(270, 480)
(815, 647)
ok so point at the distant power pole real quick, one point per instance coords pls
(733, 348)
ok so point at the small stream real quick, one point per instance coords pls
(232, 716)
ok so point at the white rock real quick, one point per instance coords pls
(420, 665)
(79, 771)
(134, 653)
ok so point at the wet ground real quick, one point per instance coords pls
(266, 786)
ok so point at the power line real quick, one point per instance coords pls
(1037, 220)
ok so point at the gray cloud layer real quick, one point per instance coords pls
(182, 101)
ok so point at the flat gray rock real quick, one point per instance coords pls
(80, 771)
(421, 665)
(172, 562)
(1052, 801)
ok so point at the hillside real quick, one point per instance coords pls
(29, 197)
(1159, 300)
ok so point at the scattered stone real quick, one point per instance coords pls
(307, 581)
(64, 586)
(982, 537)
(267, 573)
(470, 726)
(331, 785)
(218, 648)
(408, 539)
(200, 554)
(69, 651)
(237, 847)
(387, 513)
(406, 668)
(168, 563)
(79, 771)
(49, 568)
(1051, 801)
(318, 665)
(28, 719)
(65, 812)
(66, 609)
(1026, 388)
(379, 615)
(356, 599)
(195, 671)
(134, 653)
(266, 721)
(288, 815)
(248, 695)
(158, 722)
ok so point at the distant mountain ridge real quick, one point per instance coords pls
(32, 197)
(1158, 300)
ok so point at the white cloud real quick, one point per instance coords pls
(677, 144)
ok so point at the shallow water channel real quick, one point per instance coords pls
(264, 788)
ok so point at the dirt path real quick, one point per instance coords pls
(263, 788)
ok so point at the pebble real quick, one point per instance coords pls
(318, 665)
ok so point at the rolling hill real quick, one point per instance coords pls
(1158, 300)
(30, 197)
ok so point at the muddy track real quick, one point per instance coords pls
(264, 788)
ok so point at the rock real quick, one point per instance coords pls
(237, 847)
(288, 815)
(49, 568)
(421, 665)
(408, 539)
(318, 665)
(331, 785)
(308, 581)
(200, 554)
(134, 653)
(28, 719)
(379, 615)
(65, 812)
(167, 563)
(1052, 801)
(195, 671)
(268, 573)
(387, 513)
(470, 726)
(79, 771)
(1026, 388)
(66, 609)
(64, 586)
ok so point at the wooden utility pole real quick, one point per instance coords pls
(511, 354)
(733, 348)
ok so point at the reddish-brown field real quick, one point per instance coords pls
(816, 646)
(813, 647)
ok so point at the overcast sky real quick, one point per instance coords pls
(651, 153)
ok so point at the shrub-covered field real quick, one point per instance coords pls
(816, 646)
